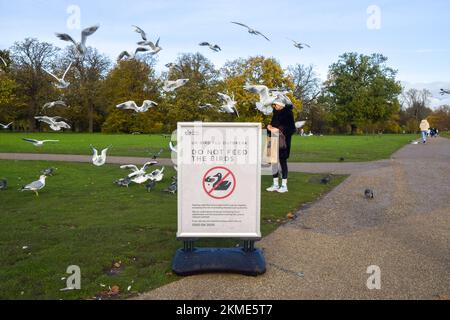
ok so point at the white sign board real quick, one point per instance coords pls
(219, 180)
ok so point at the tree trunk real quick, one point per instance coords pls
(91, 118)
(354, 129)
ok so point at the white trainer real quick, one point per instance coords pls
(283, 189)
(273, 188)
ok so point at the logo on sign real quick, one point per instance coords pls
(219, 183)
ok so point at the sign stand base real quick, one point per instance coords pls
(245, 260)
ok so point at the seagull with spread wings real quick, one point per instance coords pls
(81, 46)
(54, 104)
(38, 143)
(213, 47)
(6, 126)
(445, 91)
(251, 30)
(229, 105)
(266, 98)
(128, 56)
(131, 105)
(135, 171)
(99, 159)
(170, 86)
(156, 48)
(53, 122)
(300, 45)
(62, 84)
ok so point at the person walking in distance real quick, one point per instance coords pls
(424, 127)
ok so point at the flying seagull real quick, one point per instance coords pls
(154, 46)
(206, 106)
(35, 186)
(4, 62)
(131, 105)
(266, 99)
(129, 56)
(62, 84)
(81, 46)
(55, 125)
(3, 184)
(213, 47)
(135, 171)
(300, 45)
(300, 124)
(141, 32)
(170, 86)
(54, 104)
(99, 160)
(445, 91)
(172, 147)
(229, 105)
(251, 30)
(6, 126)
(38, 143)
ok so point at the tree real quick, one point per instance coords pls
(255, 70)
(29, 58)
(363, 89)
(132, 80)
(307, 85)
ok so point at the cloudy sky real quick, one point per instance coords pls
(412, 34)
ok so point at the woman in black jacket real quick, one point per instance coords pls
(282, 123)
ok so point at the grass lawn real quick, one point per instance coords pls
(304, 149)
(82, 219)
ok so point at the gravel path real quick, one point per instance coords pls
(325, 253)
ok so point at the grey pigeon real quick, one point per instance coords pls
(125, 182)
(3, 184)
(341, 159)
(172, 188)
(326, 180)
(49, 171)
(150, 185)
(368, 193)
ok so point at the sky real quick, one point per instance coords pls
(412, 34)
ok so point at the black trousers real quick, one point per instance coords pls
(284, 169)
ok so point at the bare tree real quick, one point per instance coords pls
(415, 103)
(29, 58)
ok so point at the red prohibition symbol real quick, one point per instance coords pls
(219, 183)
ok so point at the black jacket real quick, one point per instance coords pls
(284, 121)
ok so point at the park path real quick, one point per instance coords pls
(325, 252)
(336, 168)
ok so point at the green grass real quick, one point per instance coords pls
(304, 149)
(82, 219)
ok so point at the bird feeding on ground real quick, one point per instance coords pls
(251, 30)
(3, 184)
(173, 188)
(6, 126)
(131, 105)
(49, 171)
(170, 86)
(229, 105)
(62, 84)
(150, 186)
(368, 193)
(35, 186)
(80, 46)
(53, 122)
(213, 47)
(124, 182)
(38, 143)
(99, 159)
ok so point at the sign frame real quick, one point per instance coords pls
(255, 236)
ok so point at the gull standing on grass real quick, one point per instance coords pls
(35, 186)
(6, 126)
(38, 143)
(99, 160)
(81, 46)
(170, 86)
(229, 105)
(62, 84)
(251, 30)
(55, 125)
(131, 105)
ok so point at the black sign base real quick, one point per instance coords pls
(209, 260)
